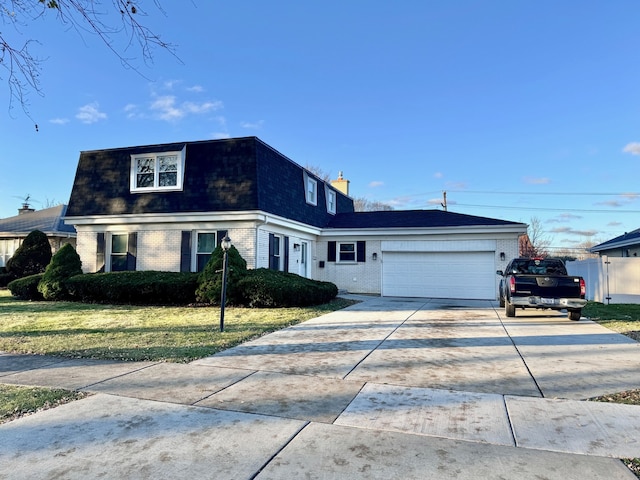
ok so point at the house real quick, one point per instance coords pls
(165, 207)
(626, 245)
(13, 230)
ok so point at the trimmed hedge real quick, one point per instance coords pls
(135, 288)
(64, 265)
(264, 288)
(26, 288)
(210, 281)
(31, 257)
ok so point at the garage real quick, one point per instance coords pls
(464, 275)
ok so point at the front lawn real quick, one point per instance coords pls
(622, 318)
(127, 332)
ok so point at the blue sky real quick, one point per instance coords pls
(516, 109)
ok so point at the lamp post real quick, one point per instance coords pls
(226, 245)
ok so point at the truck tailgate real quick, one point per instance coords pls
(548, 286)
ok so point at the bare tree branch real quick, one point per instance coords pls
(121, 19)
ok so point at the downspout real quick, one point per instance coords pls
(258, 225)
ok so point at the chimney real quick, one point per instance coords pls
(341, 184)
(25, 209)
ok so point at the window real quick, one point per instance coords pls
(206, 243)
(311, 189)
(119, 252)
(7, 248)
(278, 252)
(157, 171)
(347, 252)
(274, 252)
(331, 200)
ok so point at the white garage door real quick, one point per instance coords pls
(469, 275)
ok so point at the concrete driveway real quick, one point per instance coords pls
(388, 388)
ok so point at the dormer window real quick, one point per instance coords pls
(157, 171)
(311, 189)
(331, 198)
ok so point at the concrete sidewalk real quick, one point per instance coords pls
(388, 388)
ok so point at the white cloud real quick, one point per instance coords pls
(571, 231)
(220, 135)
(59, 121)
(376, 183)
(167, 108)
(132, 110)
(633, 148)
(438, 175)
(564, 218)
(195, 89)
(90, 113)
(537, 180)
(253, 126)
(169, 84)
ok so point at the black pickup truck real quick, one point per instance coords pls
(541, 283)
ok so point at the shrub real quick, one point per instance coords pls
(5, 278)
(264, 288)
(26, 288)
(210, 281)
(135, 288)
(31, 257)
(64, 265)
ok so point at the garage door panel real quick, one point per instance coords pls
(439, 275)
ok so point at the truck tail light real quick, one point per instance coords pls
(512, 284)
(583, 288)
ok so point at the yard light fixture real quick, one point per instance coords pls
(226, 245)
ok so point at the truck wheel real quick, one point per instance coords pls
(575, 314)
(509, 309)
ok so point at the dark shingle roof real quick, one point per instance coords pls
(412, 219)
(48, 220)
(625, 240)
(239, 174)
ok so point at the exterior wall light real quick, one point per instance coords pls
(502, 256)
(374, 256)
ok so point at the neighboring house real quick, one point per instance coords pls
(13, 230)
(165, 207)
(614, 276)
(627, 245)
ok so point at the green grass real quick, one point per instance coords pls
(131, 333)
(19, 401)
(622, 318)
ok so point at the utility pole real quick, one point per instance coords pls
(444, 200)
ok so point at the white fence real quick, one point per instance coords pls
(609, 279)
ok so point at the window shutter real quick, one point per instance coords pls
(272, 259)
(286, 254)
(132, 251)
(100, 252)
(361, 251)
(185, 251)
(331, 252)
(220, 234)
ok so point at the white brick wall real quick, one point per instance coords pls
(361, 277)
(159, 250)
(86, 247)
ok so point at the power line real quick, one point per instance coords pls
(583, 194)
(544, 208)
